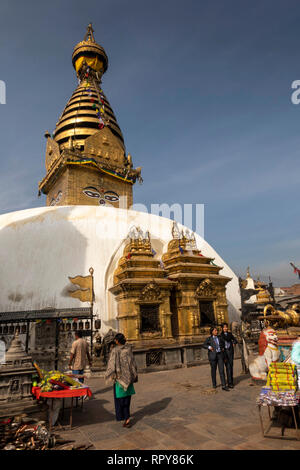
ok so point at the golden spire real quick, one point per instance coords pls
(87, 135)
(88, 109)
(89, 36)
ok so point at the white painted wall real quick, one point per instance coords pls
(41, 247)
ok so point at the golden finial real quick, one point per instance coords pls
(248, 272)
(89, 35)
(175, 230)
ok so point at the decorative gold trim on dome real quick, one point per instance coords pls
(89, 46)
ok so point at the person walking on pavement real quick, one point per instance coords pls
(79, 355)
(229, 341)
(122, 370)
(216, 346)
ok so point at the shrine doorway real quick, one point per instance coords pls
(207, 314)
(150, 318)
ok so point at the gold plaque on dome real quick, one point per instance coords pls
(52, 152)
(104, 144)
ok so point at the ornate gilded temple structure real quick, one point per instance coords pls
(176, 298)
(142, 292)
(86, 162)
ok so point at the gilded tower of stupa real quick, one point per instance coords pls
(86, 161)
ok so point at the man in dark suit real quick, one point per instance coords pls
(229, 341)
(216, 347)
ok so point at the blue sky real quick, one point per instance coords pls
(202, 93)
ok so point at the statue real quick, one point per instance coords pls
(268, 352)
(239, 332)
(107, 344)
(290, 317)
(102, 348)
(98, 345)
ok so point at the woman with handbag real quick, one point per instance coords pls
(122, 370)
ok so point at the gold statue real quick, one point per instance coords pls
(288, 318)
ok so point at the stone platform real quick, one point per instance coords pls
(177, 409)
(167, 355)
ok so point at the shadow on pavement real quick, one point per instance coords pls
(103, 390)
(93, 413)
(151, 409)
(240, 378)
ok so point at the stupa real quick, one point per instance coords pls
(16, 382)
(160, 284)
(86, 161)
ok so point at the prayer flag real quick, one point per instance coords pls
(85, 294)
(296, 270)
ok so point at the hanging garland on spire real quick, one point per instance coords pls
(97, 105)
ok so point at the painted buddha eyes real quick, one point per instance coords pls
(92, 192)
(111, 196)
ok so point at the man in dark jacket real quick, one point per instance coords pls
(216, 347)
(229, 341)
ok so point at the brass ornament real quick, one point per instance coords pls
(206, 290)
(150, 293)
(278, 318)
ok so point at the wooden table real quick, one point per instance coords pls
(62, 394)
(265, 432)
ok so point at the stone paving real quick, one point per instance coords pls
(177, 409)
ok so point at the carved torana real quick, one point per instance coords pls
(206, 289)
(150, 293)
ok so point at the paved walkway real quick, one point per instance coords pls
(177, 409)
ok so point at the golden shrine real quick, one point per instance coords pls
(176, 298)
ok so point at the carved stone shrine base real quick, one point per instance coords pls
(29, 407)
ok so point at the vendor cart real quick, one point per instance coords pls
(294, 406)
